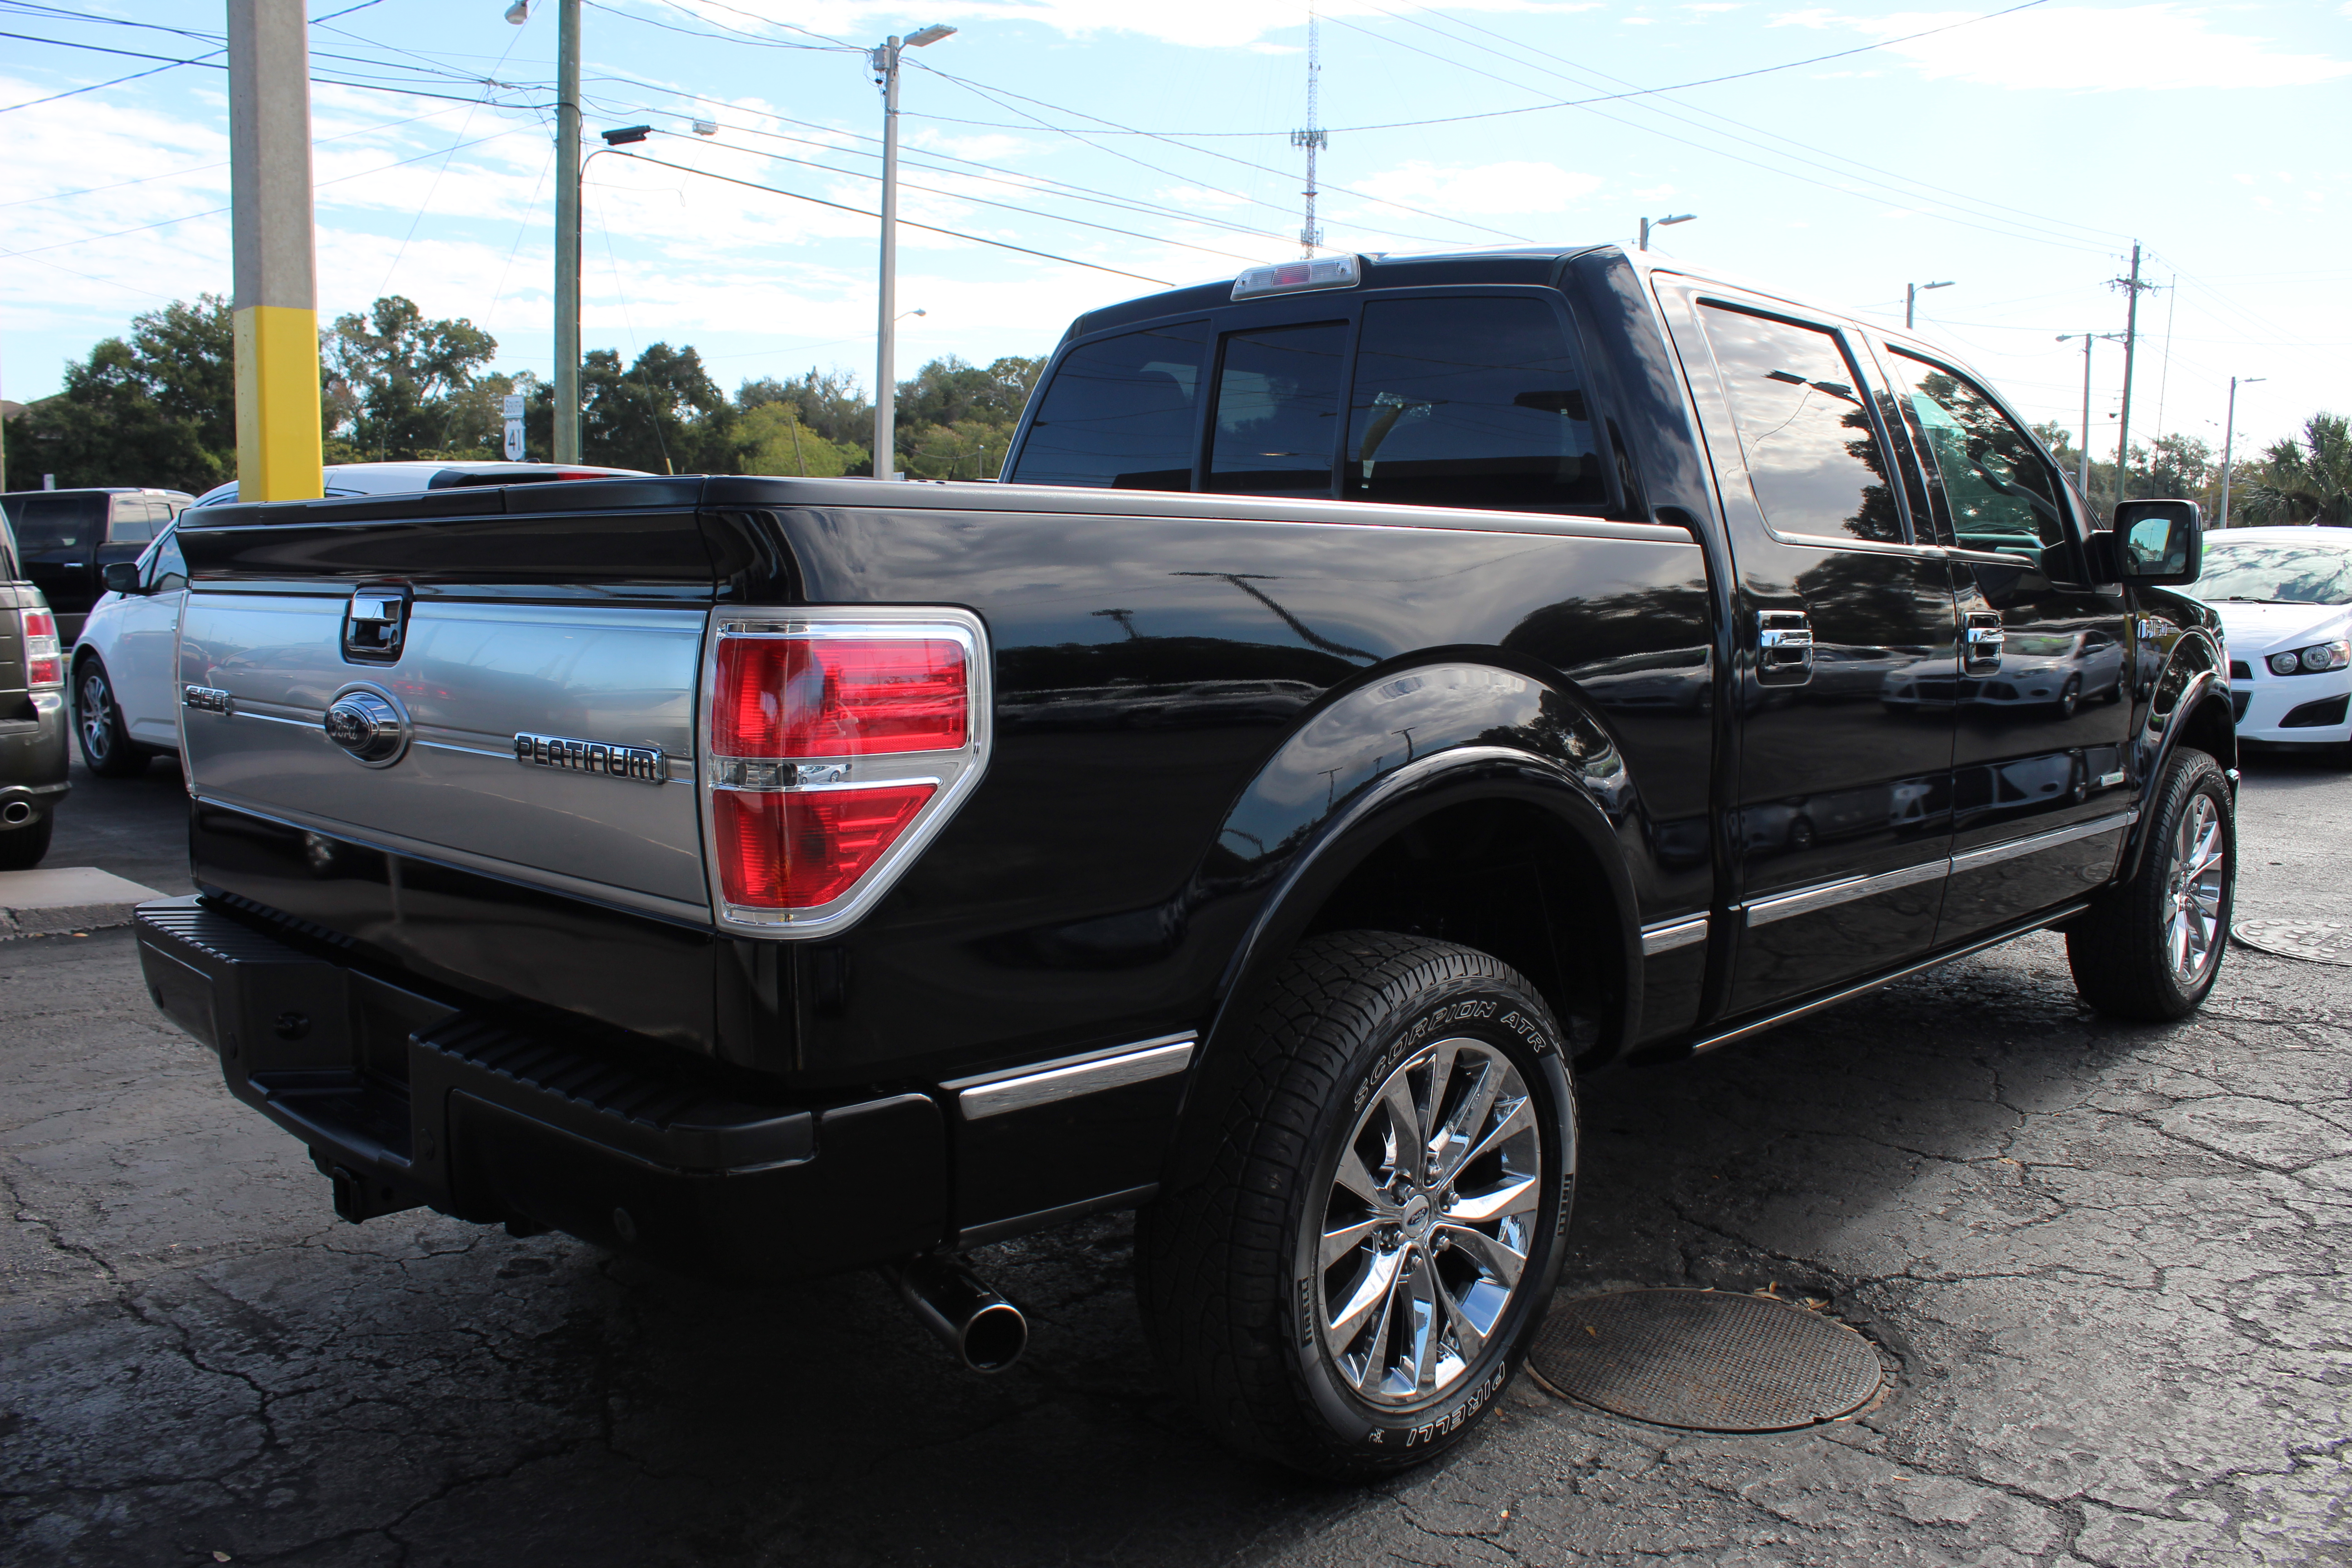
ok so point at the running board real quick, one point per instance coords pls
(2007, 933)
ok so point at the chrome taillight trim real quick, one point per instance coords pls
(953, 774)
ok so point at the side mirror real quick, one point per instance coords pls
(2153, 542)
(120, 576)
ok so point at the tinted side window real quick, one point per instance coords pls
(1814, 460)
(135, 521)
(1118, 414)
(59, 522)
(1278, 410)
(167, 569)
(2001, 492)
(1474, 402)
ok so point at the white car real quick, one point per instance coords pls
(2058, 670)
(2286, 599)
(125, 702)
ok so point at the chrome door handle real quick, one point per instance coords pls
(1980, 643)
(1784, 648)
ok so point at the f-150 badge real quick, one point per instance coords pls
(646, 765)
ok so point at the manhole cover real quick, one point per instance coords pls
(2319, 941)
(1706, 1360)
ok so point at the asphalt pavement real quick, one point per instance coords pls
(2108, 1262)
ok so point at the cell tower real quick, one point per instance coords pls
(1314, 139)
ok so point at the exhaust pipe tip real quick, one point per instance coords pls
(980, 1328)
(16, 813)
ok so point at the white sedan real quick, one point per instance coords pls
(124, 698)
(2285, 598)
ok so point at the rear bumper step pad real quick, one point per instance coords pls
(407, 1099)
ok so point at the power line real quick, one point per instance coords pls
(2010, 233)
(1174, 141)
(1588, 75)
(1578, 103)
(931, 228)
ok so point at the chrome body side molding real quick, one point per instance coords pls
(1667, 935)
(1993, 854)
(1043, 1083)
(1782, 906)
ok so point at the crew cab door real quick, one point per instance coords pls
(144, 668)
(2038, 792)
(1847, 667)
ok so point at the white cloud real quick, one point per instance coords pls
(2086, 49)
(1485, 189)
(1201, 24)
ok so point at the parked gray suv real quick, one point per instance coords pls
(32, 714)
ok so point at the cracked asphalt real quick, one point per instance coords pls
(2109, 1261)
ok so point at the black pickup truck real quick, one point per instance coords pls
(1383, 690)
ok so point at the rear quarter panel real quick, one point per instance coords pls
(1160, 680)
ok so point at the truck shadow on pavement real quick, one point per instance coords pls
(419, 1390)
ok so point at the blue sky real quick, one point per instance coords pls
(2018, 156)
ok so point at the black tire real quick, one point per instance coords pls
(2129, 960)
(107, 748)
(1233, 1307)
(2069, 696)
(21, 848)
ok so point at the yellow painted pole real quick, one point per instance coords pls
(275, 306)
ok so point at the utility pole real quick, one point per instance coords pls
(274, 306)
(1313, 139)
(2132, 286)
(885, 61)
(565, 446)
(1911, 292)
(2229, 431)
(2082, 457)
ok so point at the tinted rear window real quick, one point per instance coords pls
(1277, 410)
(1119, 413)
(58, 522)
(1471, 402)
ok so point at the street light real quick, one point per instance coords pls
(2082, 458)
(519, 13)
(1911, 292)
(2228, 430)
(1647, 225)
(624, 135)
(885, 61)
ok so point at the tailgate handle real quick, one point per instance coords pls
(374, 624)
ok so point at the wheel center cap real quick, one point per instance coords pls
(1416, 1216)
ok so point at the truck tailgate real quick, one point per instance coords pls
(471, 678)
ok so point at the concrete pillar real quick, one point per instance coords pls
(275, 304)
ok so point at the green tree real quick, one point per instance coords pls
(398, 385)
(158, 409)
(664, 414)
(774, 441)
(830, 403)
(2307, 479)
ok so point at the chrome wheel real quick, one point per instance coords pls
(1429, 1222)
(95, 714)
(2193, 884)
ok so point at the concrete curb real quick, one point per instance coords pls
(67, 899)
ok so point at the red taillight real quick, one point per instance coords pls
(828, 697)
(831, 742)
(45, 663)
(795, 850)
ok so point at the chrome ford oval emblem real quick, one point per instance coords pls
(369, 725)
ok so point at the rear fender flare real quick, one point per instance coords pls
(1348, 781)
